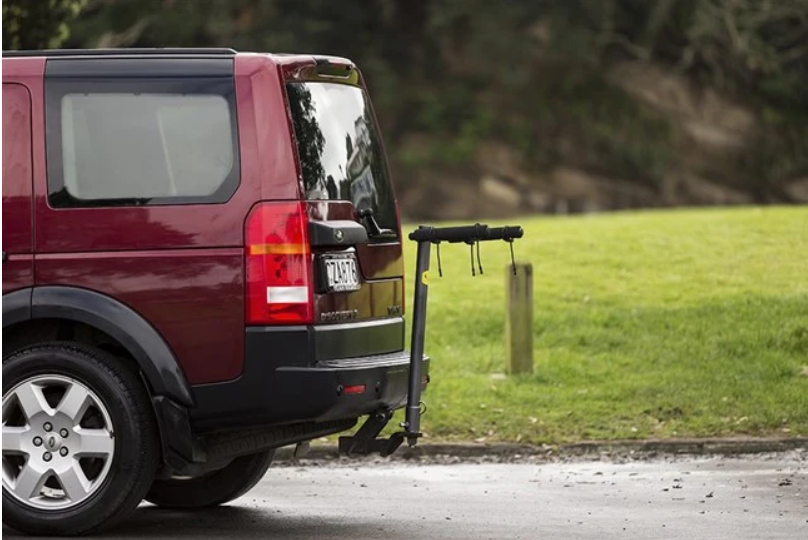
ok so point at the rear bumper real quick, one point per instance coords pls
(288, 379)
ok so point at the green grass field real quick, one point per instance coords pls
(647, 325)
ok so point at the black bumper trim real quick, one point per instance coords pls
(283, 384)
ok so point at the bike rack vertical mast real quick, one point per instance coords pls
(412, 423)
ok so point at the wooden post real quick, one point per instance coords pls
(519, 319)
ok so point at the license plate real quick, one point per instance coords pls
(342, 273)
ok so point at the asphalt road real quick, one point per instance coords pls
(761, 497)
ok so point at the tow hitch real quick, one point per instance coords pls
(365, 440)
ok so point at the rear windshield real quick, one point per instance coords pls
(339, 149)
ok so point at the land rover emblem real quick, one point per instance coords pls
(339, 236)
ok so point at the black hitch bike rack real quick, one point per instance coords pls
(365, 440)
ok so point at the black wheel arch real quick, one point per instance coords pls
(17, 306)
(143, 342)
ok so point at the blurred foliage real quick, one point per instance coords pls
(37, 25)
(532, 74)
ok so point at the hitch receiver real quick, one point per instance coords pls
(365, 440)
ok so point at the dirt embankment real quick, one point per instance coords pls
(718, 152)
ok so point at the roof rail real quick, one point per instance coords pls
(123, 52)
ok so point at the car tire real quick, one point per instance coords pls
(80, 441)
(214, 488)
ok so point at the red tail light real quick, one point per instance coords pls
(278, 265)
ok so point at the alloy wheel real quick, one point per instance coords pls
(58, 442)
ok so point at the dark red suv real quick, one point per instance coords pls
(201, 263)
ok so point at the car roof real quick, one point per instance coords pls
(171, 52)
(183, 52)
(198, 61)
(285, 60)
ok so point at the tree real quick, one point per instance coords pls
(311, 141)
(41, 24)
(348, 145)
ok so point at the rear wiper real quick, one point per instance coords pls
(372, 226)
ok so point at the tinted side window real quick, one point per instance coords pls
(133, 142)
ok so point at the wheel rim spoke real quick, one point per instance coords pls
(32, 400)
(74, 403)
(29, 482)
(74, 482)
(13, 439)
(95, 443)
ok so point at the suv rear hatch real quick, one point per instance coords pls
(347, 186)
(347, 278)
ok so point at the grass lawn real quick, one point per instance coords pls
(656, 324)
